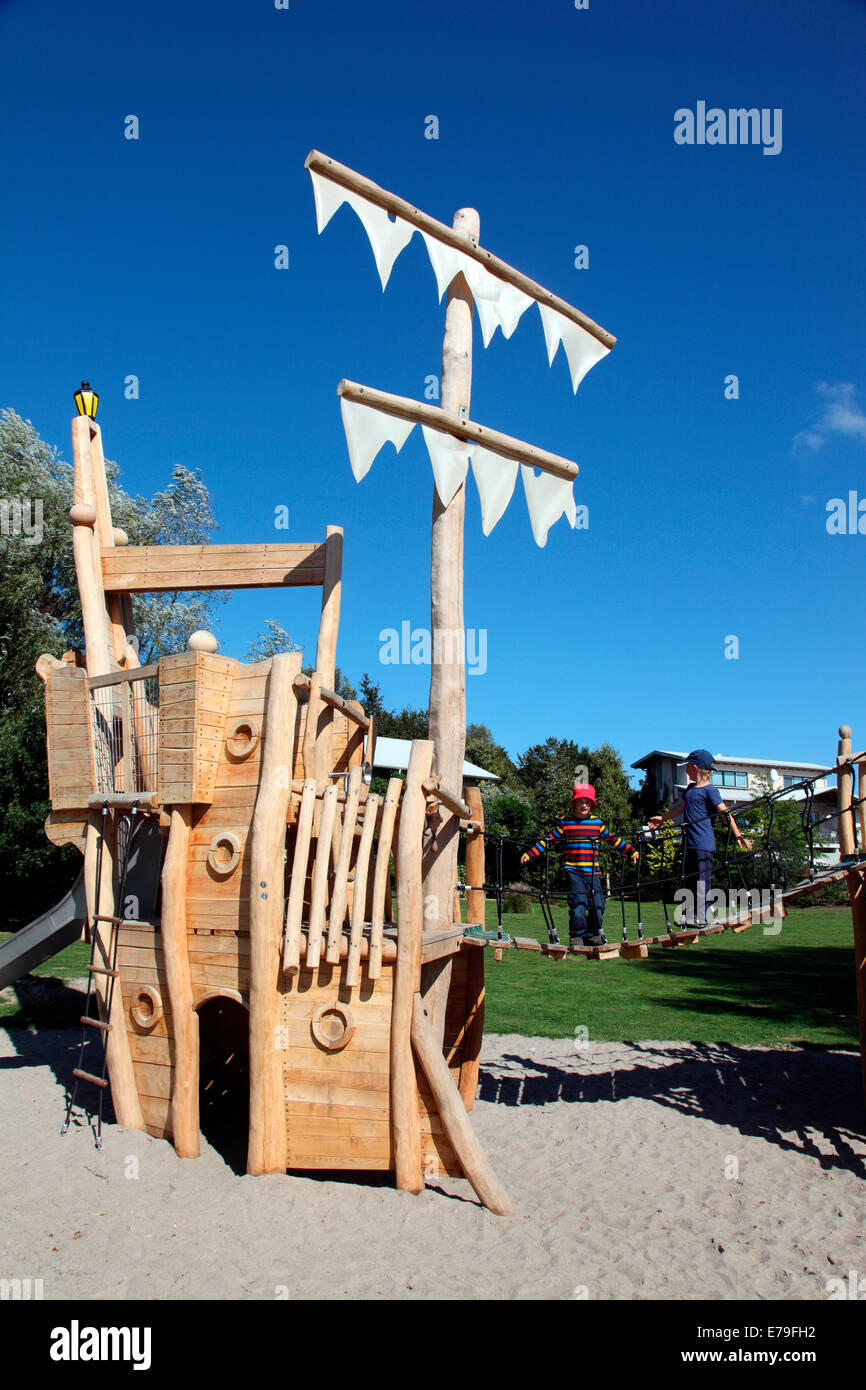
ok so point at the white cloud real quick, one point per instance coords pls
(840, 414)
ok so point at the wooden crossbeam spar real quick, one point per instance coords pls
(298, 787)
(137, 673)
(407, 409)
(329, 697)
(137, 569)
(146, 801)
(450, 799)
(398, 207)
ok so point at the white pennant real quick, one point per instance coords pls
(499, 303)
(446, 261)
(329, 196)
(367, 429)
(547, 497)
(495, 477)
(581, 348)
(387, 238)
(450, 460)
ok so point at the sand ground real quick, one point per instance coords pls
(642, 1171)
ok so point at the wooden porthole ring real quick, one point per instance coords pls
(146, 1009)
(224, 853)
(242, 737)
(332, 1026)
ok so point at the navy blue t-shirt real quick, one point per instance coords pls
(699, 809)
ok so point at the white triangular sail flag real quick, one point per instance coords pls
(367, 430)
(499, 303)
(450, 460)
(329, 196)
(581, 348)
(446, 261)
(387, 238)
(495, 477)
(547, 497)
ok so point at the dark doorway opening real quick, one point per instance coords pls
(224, 1079)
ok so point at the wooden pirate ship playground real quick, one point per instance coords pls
(254, 910)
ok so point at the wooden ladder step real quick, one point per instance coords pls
(101, 970)
(87, 1076)
(95, 1023)
(100, 917)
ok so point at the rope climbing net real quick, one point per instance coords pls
(753, 884)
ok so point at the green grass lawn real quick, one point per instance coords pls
(795, 987)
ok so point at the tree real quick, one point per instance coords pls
(179, 515)
(409, 723)
(272, 642)
(484, 751)
(41, 612)
(371, 696)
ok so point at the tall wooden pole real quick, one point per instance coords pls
(856, 889)
(447, 711)
(266, 1152)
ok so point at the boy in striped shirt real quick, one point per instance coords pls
(579, 835)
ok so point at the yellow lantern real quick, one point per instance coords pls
(86, 400)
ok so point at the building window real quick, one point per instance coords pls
(791, 781)
(730, 779)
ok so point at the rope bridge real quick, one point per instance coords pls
(753, 905)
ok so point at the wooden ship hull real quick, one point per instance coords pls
(254, 910)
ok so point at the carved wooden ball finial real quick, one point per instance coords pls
(120, 536)
(844, 731)
(202, 641)
(82, 514)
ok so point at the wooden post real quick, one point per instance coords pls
(362, 870)
(474, 1034)
(452, 1113)
(342, 861)
(856, 890)
(320, 878)
(105, 536)
(294, 911)
(326, 653)
(447, 709)
(85, 549)
(475, 874)
(185, 1049)
(381, 877)
(100, 900)
(267, 1135)
(405, 1126)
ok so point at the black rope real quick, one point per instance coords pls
(732, 859)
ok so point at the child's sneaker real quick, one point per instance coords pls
(598, 940)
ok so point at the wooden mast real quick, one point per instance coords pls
(447, 709)
(856, 885)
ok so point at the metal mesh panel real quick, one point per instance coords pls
(125, 721)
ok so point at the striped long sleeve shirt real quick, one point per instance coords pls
(580, 840)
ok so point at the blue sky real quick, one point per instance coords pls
(707, 516)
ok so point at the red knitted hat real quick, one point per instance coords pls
(583, 789)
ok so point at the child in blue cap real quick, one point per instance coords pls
(701, 801)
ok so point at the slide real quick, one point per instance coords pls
(50, 933)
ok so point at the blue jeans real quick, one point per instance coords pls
(697, 870)
(585, 894)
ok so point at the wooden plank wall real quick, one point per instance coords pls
(337, 1103)
(71, 769)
